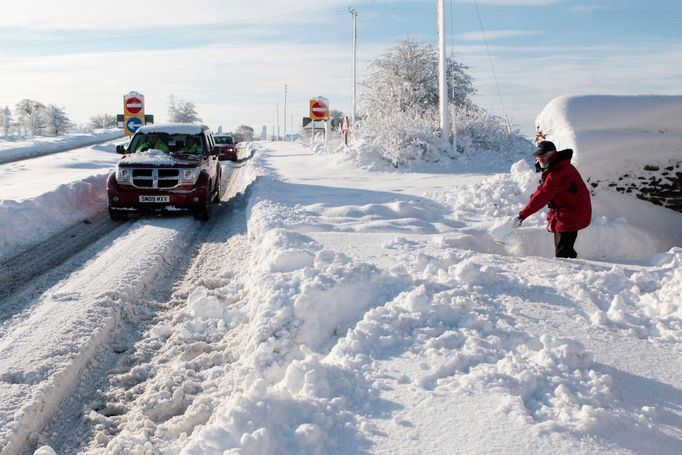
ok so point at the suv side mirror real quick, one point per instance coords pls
(121, 149)
(215, 150)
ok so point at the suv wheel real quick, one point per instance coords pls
(117, 215)
(204, 213)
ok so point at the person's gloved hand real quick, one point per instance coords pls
(516, 222)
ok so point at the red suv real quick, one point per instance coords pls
(168, 167)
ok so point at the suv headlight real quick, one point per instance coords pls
(123, 175)
(189, 176)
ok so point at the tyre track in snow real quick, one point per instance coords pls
(102, 403)
(88, 320)
(42, 354)
(23, 270)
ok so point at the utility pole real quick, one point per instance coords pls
(354, 13)
(285, 112)
(277, 117)
(442, 82)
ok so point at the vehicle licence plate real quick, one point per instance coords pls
(154, 198)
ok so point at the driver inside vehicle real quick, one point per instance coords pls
(152, 141)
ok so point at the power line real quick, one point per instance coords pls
(492, 67)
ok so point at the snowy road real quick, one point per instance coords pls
(77, 314)
(332, 309)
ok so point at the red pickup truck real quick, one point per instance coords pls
(166, 168)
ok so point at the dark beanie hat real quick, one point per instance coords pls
(544, 147)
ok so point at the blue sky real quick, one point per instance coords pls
(233, 58)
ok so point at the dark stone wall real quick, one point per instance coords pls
(660, 185)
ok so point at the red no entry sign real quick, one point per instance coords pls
(134, 105)
(318, 110)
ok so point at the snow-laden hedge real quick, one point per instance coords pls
(406, 138)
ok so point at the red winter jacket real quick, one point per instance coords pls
(564, 192)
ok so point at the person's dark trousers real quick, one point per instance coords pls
(563, 244)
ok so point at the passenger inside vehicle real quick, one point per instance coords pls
(191, 145)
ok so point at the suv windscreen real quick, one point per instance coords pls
(172, 143)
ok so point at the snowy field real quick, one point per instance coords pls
(14, 148)
(363, 311)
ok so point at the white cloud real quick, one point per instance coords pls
(88, 14)
(589, 8)
(515, 2)
(493, 34)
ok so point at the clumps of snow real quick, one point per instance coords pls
(151, 155)
(471, 349)
(202, 305)
(301, 299)
(554, 380)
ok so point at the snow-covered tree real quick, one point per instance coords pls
(5, 120)
(399, 118)
(406, 79)
(30, 114)
(244, 133)
(103, 121)
(56, 120)
(180, 111)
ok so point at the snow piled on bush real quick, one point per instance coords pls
(410, 139)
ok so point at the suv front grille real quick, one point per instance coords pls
(156, 178)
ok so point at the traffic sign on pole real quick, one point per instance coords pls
(318, 109)
(134, 105)
(132, 125)
(345, 124)
(133, 112)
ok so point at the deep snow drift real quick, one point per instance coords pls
(397, 312)
(613, 135)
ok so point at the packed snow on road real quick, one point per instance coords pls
(332, 307)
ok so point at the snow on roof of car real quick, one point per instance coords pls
(173, 128)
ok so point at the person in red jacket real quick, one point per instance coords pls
(563, 190)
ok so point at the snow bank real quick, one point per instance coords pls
(615, 135)
(302, 297)
(30, 221)
(17, 148)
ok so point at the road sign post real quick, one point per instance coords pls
(345, 128)
(133, 112)
(319, 110)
